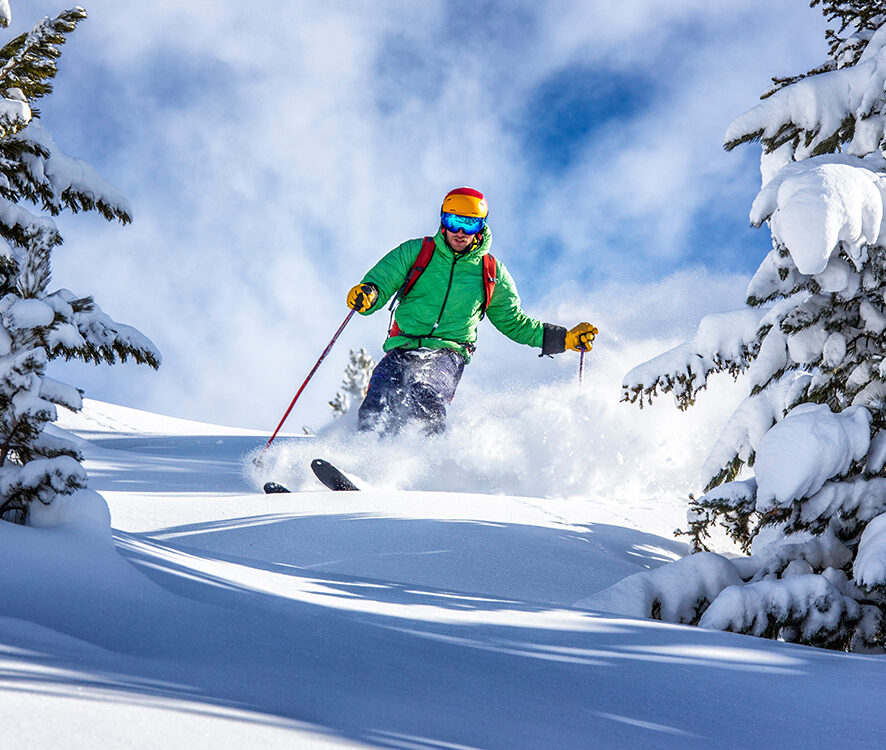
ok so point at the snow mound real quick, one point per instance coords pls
(83, 509)
(676, 592)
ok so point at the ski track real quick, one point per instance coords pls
(218, 616)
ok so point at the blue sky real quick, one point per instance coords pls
(273, 151)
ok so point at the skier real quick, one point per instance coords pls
(441, 295)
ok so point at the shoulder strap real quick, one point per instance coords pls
(490, 276)
(418, 268)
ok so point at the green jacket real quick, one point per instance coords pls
(443, 308)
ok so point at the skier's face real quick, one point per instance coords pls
(458, 241)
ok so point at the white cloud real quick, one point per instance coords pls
(271, 157)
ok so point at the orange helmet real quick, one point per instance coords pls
(465, 201)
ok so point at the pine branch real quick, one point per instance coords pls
(861, 17)
(28, 60)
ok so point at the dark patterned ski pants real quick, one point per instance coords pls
(413, 384)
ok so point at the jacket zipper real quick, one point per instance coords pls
(445, 296)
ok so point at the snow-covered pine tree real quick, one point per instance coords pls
(355, 382)
(797, 475)
(36, 324)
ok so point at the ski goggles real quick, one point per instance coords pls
(467, 224)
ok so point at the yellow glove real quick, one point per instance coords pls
(581, 338)
(362, 297)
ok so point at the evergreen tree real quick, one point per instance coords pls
(355, 382)
(797, 476)
(37, 324)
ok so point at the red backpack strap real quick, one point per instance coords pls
(490, 276)
(418, 268)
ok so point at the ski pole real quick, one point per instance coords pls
(581, 364)
(310, 375)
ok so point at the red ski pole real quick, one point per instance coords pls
(310, 375)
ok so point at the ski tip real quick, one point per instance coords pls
(331, 476)
(273, 488)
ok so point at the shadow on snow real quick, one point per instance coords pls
(396, 632)
(401, 664)
(512, 561)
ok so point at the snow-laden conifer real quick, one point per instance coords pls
(37, 182)
(797, 475)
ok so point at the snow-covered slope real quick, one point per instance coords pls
(102, 418)
(215, 616)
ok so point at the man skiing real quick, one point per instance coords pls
(442, 287)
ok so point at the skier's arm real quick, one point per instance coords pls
(388, 275)
(505, 313)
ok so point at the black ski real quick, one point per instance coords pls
(272, 488)
(331, 477)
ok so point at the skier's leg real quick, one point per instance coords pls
(431, 386)
(385, 391)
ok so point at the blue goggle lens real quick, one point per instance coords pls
(468, 224)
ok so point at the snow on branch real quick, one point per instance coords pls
(28, 60)
(61, 394)
(709, 590)
(858, 500)
(677, 592)
(808, 447)
(40, 479)
(22, 228)
(788, 553)
(17, 371)
(733, 503)
(861, 20)
(62, 181)
(869, 569)
(15, 112)
(809, 606)
(739, 438)
(820, 204)
(818, 113)
(52, 446)
(84, 331)
(723, 342)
